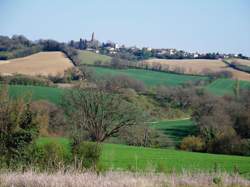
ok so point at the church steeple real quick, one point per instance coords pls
(93, 37)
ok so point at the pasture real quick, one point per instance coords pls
(197, 67)
(176, 130)
(36, 93)
(116, 156)
(88, 57)
(150, 78)
(222, 87)
(43, 63)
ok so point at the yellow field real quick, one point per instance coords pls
(43, 63)
(197, 66)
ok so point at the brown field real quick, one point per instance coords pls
(240, 61)
(43, 63)
(197, 66)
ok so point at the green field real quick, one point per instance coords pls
(115, 156)
(37, 92)
(87, 57)
(176, 130)
(150, 78)
(225, 86)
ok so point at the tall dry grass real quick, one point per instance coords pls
(117, 179)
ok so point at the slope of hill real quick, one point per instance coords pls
(176, 130)
(115, 156)
(243, 62)
(197, 66)
(150, 78)
(37, 92)
(221, 87)
(88, 57)
(43, 63)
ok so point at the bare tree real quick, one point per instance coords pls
(98, 114)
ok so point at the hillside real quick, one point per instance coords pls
(36, 92)
(197, 66)
(150, 78)
(221, 87)
(176, 130)
(88, 57)
(116, 156)
(43, 63)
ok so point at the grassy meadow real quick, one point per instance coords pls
(36, 92)
(88, 57)
(150, 78)
(221, 87)
(175, 129)
(115, 156)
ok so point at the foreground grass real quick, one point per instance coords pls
(87, 57)
(115, 156)
(221, 87)
(150, 78)
(176, 130)
(115, 179)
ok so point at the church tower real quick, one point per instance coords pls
(93, 37)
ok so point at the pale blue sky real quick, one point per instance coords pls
(192, 25)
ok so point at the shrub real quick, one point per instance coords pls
(27, 80)
(143, 135)
(87, 154)
(17, 128)
(51, 155)
(192, 143)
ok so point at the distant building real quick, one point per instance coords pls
(93, 44)
(93, 37)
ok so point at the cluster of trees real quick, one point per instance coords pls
(16, 46)
(223, 122)
(25, 80)
(21, 124)
(20, 46)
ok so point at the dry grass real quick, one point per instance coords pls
(197, 66)
(240, 61)
(116, 179)
(43, 63)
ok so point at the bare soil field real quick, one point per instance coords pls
(43, 63)
(197, 66)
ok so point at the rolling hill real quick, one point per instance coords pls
(43, 63)
(88, 57)
(37, 92)
(115, 156)
(150, 78)
(176, 130)
(221, 87)
(197, 67)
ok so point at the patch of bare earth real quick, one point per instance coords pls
(196, 67)
(43, 63)
(117, 179)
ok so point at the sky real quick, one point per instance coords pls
(191, 25)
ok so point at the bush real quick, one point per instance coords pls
(87, 154)
(27, 80)
(51, 155)
(192, 143)
(143, 135)
(17, 128)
